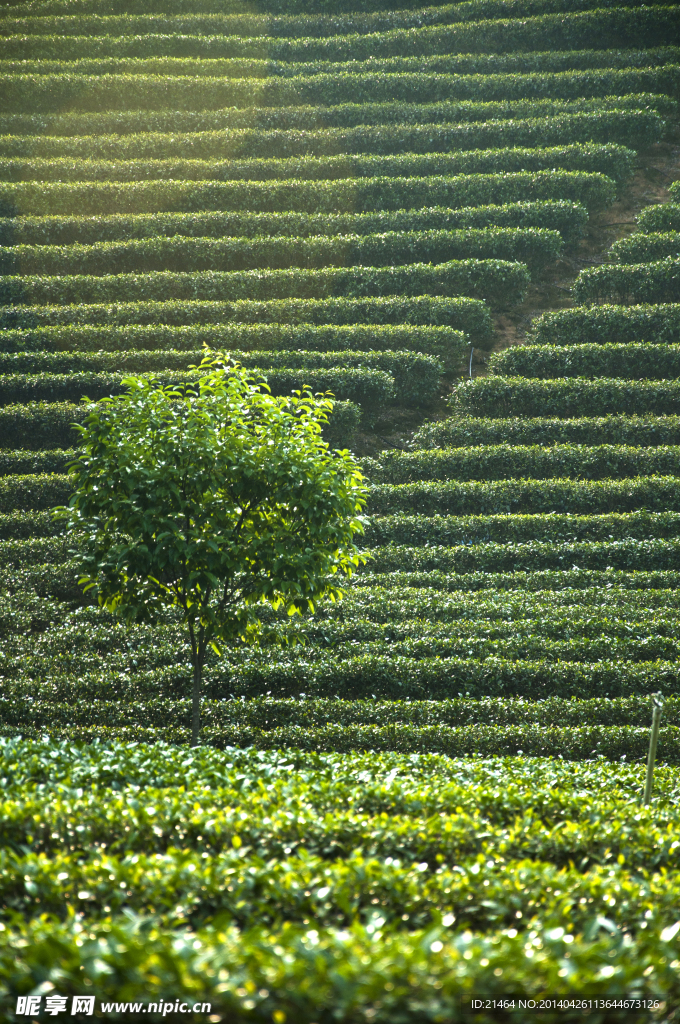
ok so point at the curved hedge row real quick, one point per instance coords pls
(206, 37)
(564, 397)
(579, 497)
(501, 281)
(664, 217)
(637, 282)
(417, 377)
(635, 128)
(613, 160)
(630, 360)
(113, 134)
(643, 248)
(507, 461)
(115, 121)
(536, 246)
(595, 191)
(608, 325)
(439, 341)
(462, 431)
(468, 315)
(420, 530)
(569, 218)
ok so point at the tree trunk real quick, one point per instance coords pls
(196, 704)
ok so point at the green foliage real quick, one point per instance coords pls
(569, 218)
(121, 122)
(443, 342)
(642, 248)
(536, 246)
(44, 425)
(629, 360)
(595, 191)
(503, 461)
(564, 397)
(579, 497)
(21, 159)
(115, 134)
(372, 388)
(417, 377)
(608, 325)
(212, 499)
(461, 431)
(213, 37)
(417, 530)
(664, 217)
(500, 280)
(638, 282)
(463, 314)
(610, 159)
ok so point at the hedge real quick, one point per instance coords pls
(569, 218)
(49, 582)
(309, 969)
(461, 431)
(643, 248)
(510, 461)
(297, 19)
(663, 217)
(22, 158)
(208, 37)
(595, 191)
(535, 246)
(499, 280)
(388, 676)
(496, 497)
(28, 525)
(33, 492)
(608, 325)
(17, 461)
(149, 133)
(419, 530)
(575, 743)
(417, 377)
(634, 283)
(476, 895)
(629, 360)
(369, 387)
(265, 714)
(613, 160)
(122, 122)
(565, 397)
(469, 315)
(439, 341)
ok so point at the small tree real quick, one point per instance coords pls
(215, 498)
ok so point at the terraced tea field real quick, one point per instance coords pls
(437, 796)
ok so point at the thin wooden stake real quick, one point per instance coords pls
(653, 740)
(470, 367)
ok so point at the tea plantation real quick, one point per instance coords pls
(435, 797)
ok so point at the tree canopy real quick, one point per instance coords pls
(214, 498)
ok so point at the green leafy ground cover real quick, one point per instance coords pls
(430, 790)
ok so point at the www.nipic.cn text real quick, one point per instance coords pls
(28, 1006)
